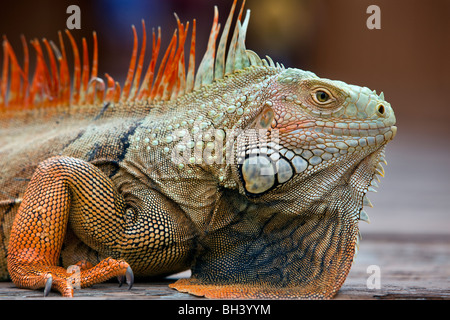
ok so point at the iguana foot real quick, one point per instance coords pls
(33, 275)
(237, 291)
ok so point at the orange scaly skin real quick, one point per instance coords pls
(252, 175)
(58, 185)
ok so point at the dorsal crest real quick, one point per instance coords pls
(53, 85)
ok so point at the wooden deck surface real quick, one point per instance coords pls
(411, 267)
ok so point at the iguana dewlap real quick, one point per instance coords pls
(252, 175)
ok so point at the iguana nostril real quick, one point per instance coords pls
(381, 110)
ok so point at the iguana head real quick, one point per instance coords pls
(318, 136)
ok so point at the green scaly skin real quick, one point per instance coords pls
(255, 181)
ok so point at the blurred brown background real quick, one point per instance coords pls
(408, 59)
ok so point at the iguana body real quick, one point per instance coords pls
(252, 175)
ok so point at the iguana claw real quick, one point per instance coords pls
(129, 278)
(48, 285)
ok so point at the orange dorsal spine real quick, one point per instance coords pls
(52, 85)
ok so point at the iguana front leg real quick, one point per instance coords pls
(63, 187)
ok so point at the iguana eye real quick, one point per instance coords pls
(321, 96)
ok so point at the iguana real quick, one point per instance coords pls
(252, 175)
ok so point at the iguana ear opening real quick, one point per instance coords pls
(265, 118)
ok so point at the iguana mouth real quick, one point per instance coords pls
(362, 133)
(337, 128)
(335, 140)
(339, 131)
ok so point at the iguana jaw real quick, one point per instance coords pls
(275, 168)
